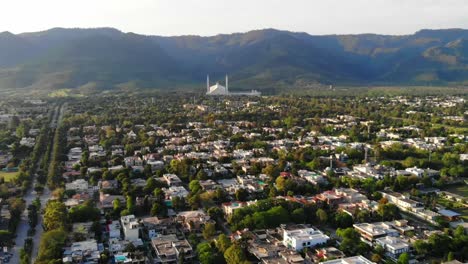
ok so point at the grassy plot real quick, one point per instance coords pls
(8, 176)
(461, 189)
(456, 206)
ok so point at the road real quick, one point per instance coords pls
(23, 226)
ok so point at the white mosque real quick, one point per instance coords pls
(218, 89)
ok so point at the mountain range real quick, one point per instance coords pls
(105, 58)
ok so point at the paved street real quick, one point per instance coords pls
(23, 226)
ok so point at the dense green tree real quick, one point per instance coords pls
(55, 215)
(322, 216)
(5, 236)
(195, 186)
(242, 195)
(234, 255)
(343, 220)
(50, 247)
(350, 241)
(209, 231)
(84, 212)
(223, 243)
(215, 212)
(421, 247)
(298, 215)
(178, 203)
(388, 211)
(403, 258)
(158, 209)
(450, 256)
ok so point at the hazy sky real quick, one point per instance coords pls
(209, 17)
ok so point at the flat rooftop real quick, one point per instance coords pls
(350, 260)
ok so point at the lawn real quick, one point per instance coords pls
(461, 189)
(8, 176)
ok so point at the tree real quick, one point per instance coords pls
(117, 204)
(234, 255)
(195, 186)
(209, 231)
(403, 258)
(349, 236)
(376, 258)
(388, 211)
(130, 205)
(242, 195)
(178, 203)
(298, 215)
(362, 216)
(181, 257)
(450, 256)
(50, 247)
(194, 201)
(159, 195)
(343, 220)
(55, 215)
(221, 195)
(215, 212)
(151, 184)
(272, 171)
(130, 248)
(5, 236)
(459, 232)
(439, 244)
(322, 216)
(84, 212)
(206, 254)
(421, 247)
(159, 209)
(223, 243)
(201, 175)
(280, 184)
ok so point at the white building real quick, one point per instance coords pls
(175, 191)
(83, 252)
(400, 200)
(373, 231)
(394, 246)
(463, 157)
(350, 260)
(77, 185)
(298, 239)
(114, 230)
(156, 164)
(218, 89)
(130, 226)
(230, 207)
(172, 179)
(28, 142)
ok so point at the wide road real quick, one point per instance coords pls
(23, 226)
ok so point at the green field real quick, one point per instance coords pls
(461, 189)
(8, 176)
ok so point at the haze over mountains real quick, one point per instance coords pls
(105, 58)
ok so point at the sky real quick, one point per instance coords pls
(211, 17)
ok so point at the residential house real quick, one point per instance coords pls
(303, 237)
(394, 246)
(168, 249)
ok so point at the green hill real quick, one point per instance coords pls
(105, 58)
